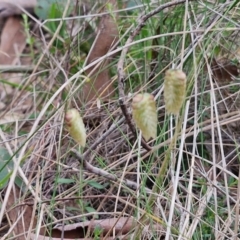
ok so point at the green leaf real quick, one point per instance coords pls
(6, 166)
(4, 180)
(133, 3)
(96, 185)
(53, 9)
(216, 50)
(45, 8)
(65, 180)
(19, 182)
(90, 209)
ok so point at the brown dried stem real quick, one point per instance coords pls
(104, 173)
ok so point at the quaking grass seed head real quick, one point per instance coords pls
(75, 126)
(145, 114)
(174, 90)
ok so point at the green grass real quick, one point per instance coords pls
(204, 188)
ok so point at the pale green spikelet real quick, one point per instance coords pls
(145, 114)
(174, 90)
(76, 126)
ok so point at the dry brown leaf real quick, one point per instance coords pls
(122, 225)
(24, 222)
(13, 41)
(33, 237)
(100, 84)
(224, 70)
(10, 118)
(10, 7)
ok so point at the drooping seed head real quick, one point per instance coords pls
(75, 126)
(145, 114)
(174, 90)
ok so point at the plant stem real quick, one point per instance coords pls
(159, 179)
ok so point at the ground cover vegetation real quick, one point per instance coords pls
(119, 119)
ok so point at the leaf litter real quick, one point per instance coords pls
(64, 206)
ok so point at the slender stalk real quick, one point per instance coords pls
(159, 180)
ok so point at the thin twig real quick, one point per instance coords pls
(31, 203)
(16, 69)
(106, 134)
(104, 173)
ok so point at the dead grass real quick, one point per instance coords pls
(65, 195)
